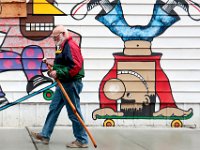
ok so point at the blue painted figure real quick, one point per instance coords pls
(163, 17)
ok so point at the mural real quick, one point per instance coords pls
(26, 42)
(133, 86)
(129, 89)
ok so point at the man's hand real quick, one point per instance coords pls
(53, 74)
(49, 62)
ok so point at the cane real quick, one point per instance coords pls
(71, 105)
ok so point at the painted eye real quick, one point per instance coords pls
(128, 94)
(114, 89)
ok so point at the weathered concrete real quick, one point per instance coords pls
(106, 139)
(15, 139)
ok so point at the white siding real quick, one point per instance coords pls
(179, 45)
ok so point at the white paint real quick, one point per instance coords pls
(181, 53)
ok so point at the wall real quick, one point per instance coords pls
(159, 85)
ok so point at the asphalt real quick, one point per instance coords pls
(118, 138)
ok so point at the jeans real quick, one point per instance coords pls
(73, 89)
(117, 24)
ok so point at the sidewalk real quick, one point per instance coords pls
(106, 139)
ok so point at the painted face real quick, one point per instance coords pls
(39, 22)
(133, 86)
(136, 91)
(126, 87)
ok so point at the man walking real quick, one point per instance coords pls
(68, 68)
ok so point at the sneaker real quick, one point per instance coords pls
(39, 138)
(77, 144)
(93, 3)
(37, 81)
(3, 101)
(191, 7)
(80, 10)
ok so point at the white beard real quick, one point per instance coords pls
(58, 44)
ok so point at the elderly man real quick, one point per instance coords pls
(68, 68)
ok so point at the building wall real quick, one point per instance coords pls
(178, 44)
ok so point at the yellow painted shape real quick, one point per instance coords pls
(41, 7)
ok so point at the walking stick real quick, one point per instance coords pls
(71, 105)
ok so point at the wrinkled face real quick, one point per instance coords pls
(39, 22)
(58, 38)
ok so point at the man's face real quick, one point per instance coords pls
(58, 38)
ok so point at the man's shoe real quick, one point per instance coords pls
(191, 7)
(77, 144)
(39, 138)
(80, 10)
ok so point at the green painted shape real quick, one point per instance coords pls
(147, 117)
(48, 92)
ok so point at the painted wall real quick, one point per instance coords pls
(141, 63)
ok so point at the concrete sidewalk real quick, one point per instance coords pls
(106, 139)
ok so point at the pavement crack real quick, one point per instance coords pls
(36, 148)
